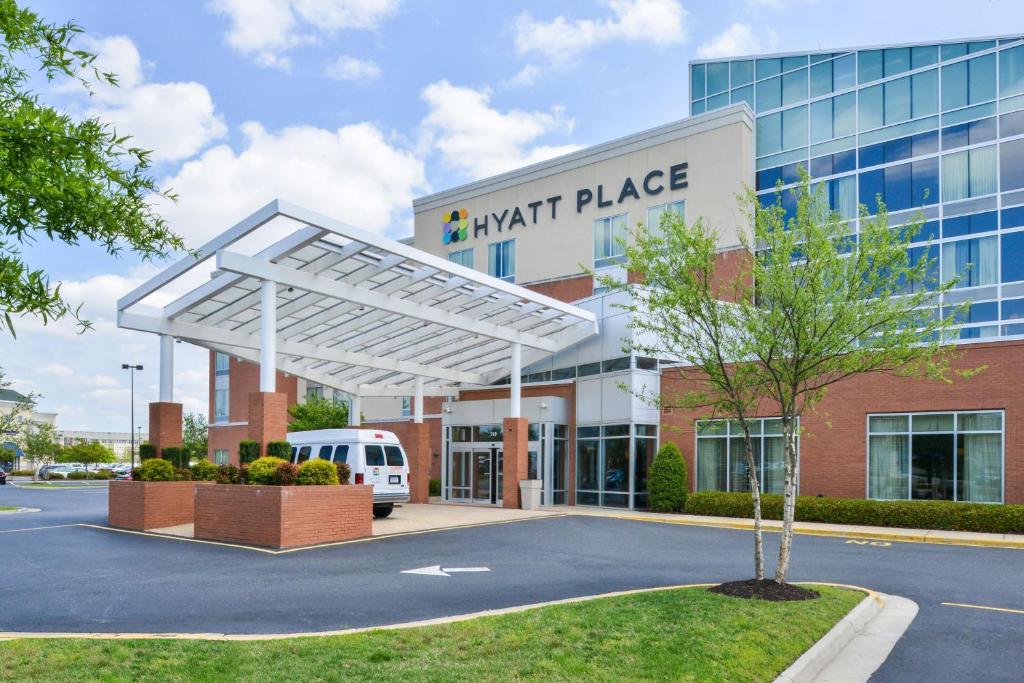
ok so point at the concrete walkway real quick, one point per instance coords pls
(968, 538)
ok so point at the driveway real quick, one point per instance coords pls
(83, 579)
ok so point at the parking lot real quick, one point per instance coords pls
(65, 577)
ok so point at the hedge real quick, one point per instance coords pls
(434, 487)
(279, 449)
(22, 473)
(906, 514)
(77, 474)
(666, 482)
(177, 456)
(146, 451)
(248, 451)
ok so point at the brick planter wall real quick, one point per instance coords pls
(142, 505)
(283, 516)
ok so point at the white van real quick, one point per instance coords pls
(375, 457)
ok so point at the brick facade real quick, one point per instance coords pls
(165, 425)
(833, 448)
(416, 442)
(515, 464)
(283, 516)
(566, 289)
(142, 505)
(268, 417)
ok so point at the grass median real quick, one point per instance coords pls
(687, 634)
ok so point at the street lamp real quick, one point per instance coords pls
(132, 368)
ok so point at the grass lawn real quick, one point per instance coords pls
(681, 635)
(7, 508)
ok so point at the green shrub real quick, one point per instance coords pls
(279, 449)
(146, 451)
(317, 473)
(906, 514)
(248, 451)
(666, 482)
(77, 474)
(243, 474)
(22, 473)
(100, 474)
(286, 474)
(182, 474)
(262, 470)
(434, 487)
(344, 472)
(156, 469)
(227, 474)
(204, 470)
(176, 455)
(55, 475)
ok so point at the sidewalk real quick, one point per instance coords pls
(968, 538)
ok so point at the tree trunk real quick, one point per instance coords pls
(755, 494)
(789, 498)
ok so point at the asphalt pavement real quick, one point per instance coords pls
(62, 577)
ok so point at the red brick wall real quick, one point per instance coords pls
(515, 462)
(833, 448)
(227, 437)
(142, 505)
(244, 379)
(565, 289)
(416, 441)
(283, 516)
(164, 425)
(268, 417)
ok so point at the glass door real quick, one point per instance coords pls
(482, 476)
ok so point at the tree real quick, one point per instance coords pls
(318, 413)
(195, 435)
(682, 307)
(87, 453)
(666, 482)
(40, 442)
(62, 179)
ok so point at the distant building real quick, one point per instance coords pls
(9, 401)
(119, 442)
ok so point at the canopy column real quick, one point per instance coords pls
(166, 368)
(268, 335)
(417, 403)
(516, 381)
(355, 408)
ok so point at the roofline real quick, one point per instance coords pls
(736, 113)
(840, 50)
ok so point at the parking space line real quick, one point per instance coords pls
(984, 607)
(36, 528)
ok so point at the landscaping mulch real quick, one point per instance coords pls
(765, 589)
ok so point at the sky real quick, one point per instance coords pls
(355, 107)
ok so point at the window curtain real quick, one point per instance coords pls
(492, 259)
(983, 168)
(773, 474)
(739, 478)
(711, 464)
(955, 177)
(982, 468)
(844, 194)
(888, 467)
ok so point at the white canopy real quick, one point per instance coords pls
(353, 310)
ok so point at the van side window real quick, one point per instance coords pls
(374, 456)
(294, 451)
(341, 453)
(395, 458)
(304, 454)
(325, 453)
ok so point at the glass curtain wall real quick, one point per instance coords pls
(612, 462)
(722, 460)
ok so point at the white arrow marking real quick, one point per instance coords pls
(436, 570)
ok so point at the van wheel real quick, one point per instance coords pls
(382, 511)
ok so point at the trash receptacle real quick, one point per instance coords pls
(529, 493)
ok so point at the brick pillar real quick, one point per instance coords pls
(268, 417)
(416, 443)
(515, 460)
(164, 425)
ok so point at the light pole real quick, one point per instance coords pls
(132, 368)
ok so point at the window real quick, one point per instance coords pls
(969, 82)
(464, 257)
(406, 406)
(325, 453)
(609, 240)
(394, 456)
(794, 127)
(1011, 71)
(769, 94)
(1011, 165)
(220, 456)
(304, 453)
(341, 453)
(974, 261)
(501, 260)
(697, 90)
(220, 399)
(721, 455)
(902, 186)
(871, 114)
(794, 87)
(971, 173)
(870, 66)
(1013, 257)
(936, 456)
(654, 214)
(718, 77)
(374, 456)
(769, 134)
(222, 363)
(742, 73)
(604, 460)
(834, 118)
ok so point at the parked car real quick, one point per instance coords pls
(375, 457)
(3, 477)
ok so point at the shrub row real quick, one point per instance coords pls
(21, 473)
(268, 471)
(906, 514)
(434, 487)
(177, 456)
(146, 451)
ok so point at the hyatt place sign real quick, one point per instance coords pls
(457, 222)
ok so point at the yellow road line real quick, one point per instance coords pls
(984, 607)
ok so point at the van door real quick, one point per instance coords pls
(398, 470)
(376, 467)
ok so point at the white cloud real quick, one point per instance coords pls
(175, 120)
(561, 40)
(267, 29)
(525, 77)
(346, 68)
(478, 140)
(738, 39)
(353, 174)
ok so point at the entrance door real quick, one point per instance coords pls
(482, 471)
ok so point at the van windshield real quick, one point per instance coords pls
(341, 453)
(374, 456)
(394, 454)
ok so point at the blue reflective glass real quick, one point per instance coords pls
(697, 90)
(928, 231)
(925, 143)
(954, 86)
(1013, 309)
(742, 72)
(898, 149)
(872, 184)
(897, 60)
(925, 93)
(982, 84)
(821, 120)
(975, 313)
(1011, 71)
(1011, 165)
(898, 187)
(821, 79)
(718, 77)
(794, 87)
(953, 50)
(925, 189)
(984, 222)
(768, 67)
(1013, 217)
(872, 155)
(767, 178)
(1011, 330)
(821, 166)
(931, 253)
(897, 100)
(870, 66)
(794, 127)
(870, 111)
(954, 227)
(923, 55)
(769, 94)
(844, 73)
(844, 115)
(844, 161)
(698, 107)
(1011, 124)
(980, 46)
(954, 136)
(981, 131)
(791, 172)
(1013, 257)
(789, 63)
(718, 101)
(769, 134)
(744, 94)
